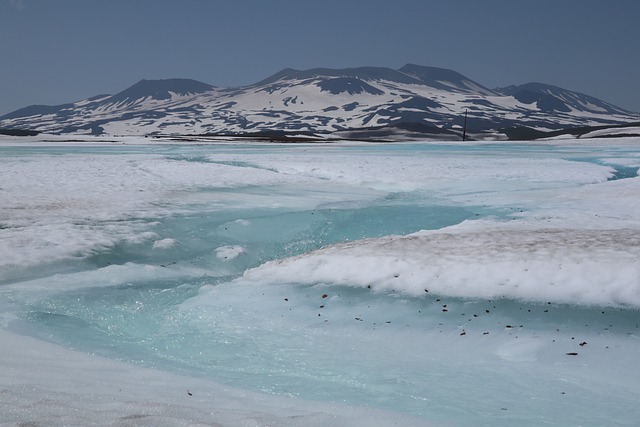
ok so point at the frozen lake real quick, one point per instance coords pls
(325, 284)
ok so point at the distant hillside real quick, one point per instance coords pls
(414, 101)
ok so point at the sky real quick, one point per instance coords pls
(58, 51)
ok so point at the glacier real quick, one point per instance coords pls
(349, 283)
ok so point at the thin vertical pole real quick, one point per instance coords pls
(464, 129)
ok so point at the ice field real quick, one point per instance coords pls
(245, 284)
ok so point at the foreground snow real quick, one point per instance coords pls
(104, 222)
(44, 384)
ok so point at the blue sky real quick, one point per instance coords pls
(57, 51)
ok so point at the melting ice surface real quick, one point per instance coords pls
(404, 284)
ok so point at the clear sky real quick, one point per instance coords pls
(57, 51)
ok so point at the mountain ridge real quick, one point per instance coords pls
(413, 101)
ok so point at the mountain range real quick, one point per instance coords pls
(363, 103)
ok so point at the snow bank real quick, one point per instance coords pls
(590, 267)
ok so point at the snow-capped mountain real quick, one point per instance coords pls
(366, 102)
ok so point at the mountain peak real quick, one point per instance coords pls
(439, 78)
(360, 73)
(160, 89)
(443, 78)
(550, 99)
